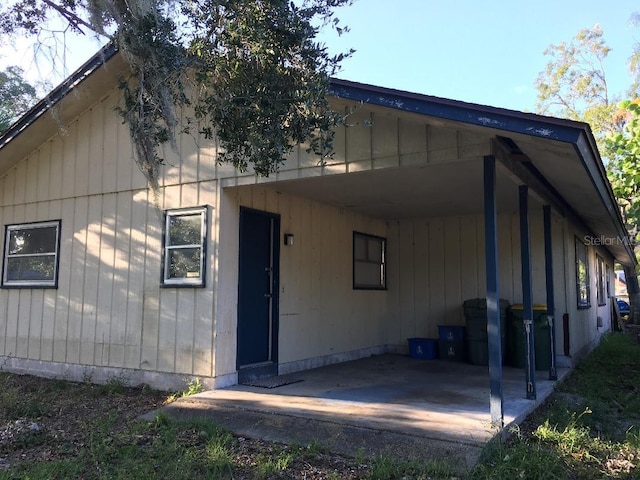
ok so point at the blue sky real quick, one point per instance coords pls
(481, 51)
(487, 52)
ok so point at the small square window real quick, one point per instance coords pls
(369, 262)
(31, 255)
(582, 275)
(184, 247)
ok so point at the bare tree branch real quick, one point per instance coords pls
(74, 20)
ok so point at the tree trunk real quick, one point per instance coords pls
(633, 289)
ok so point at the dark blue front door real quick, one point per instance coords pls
(258, 294)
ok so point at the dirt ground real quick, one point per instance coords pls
(45, 420)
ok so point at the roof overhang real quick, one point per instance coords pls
(65, 103)
(562, 154)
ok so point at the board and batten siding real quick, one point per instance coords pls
(373, 139)
(433, 265)
(584, 332)
(441, 263)
(322, 319)
(108, 309)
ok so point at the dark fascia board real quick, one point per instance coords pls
(569, 131)
(58, 93)
(588, 152)
(481, 115)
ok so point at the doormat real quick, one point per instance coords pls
(273, 382)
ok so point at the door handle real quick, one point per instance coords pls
(267, 295)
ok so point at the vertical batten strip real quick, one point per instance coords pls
(76, 290)
(54, 212)
(106, 272)
(45, 315)
(26, 297)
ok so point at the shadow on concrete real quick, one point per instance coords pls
(385, 404)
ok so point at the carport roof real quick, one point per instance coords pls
(560, 154)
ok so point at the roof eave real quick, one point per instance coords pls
(577, 133)
(58, 93)
(569, 131)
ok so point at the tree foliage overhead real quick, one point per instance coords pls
(623, 149)
(16, 96)
(634, 62)
(624, 167)
(251, 71)
(574, 85)
(574, 82)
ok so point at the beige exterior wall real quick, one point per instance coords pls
(584, 329)
(320, 314)
(442, 264)
(434, 264)
(109, 310)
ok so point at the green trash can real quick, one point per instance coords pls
(517, 352)
(475, 315)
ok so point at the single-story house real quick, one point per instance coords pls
(223, 275)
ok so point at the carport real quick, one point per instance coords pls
(462, 188)
(471, 202)
(426, 203)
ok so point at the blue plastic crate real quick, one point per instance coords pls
(452, 351)
(423, 348)
(451, 333)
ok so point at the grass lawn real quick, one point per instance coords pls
(588, 429)
(54, 429)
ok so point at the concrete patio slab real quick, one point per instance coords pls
(410, 408)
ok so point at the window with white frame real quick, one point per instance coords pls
(184, 247)
(602, 293)
(369, 262)
(31, 255)
(582, 275)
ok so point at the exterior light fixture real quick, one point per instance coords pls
(288, 239)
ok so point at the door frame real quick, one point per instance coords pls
(269, 367)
